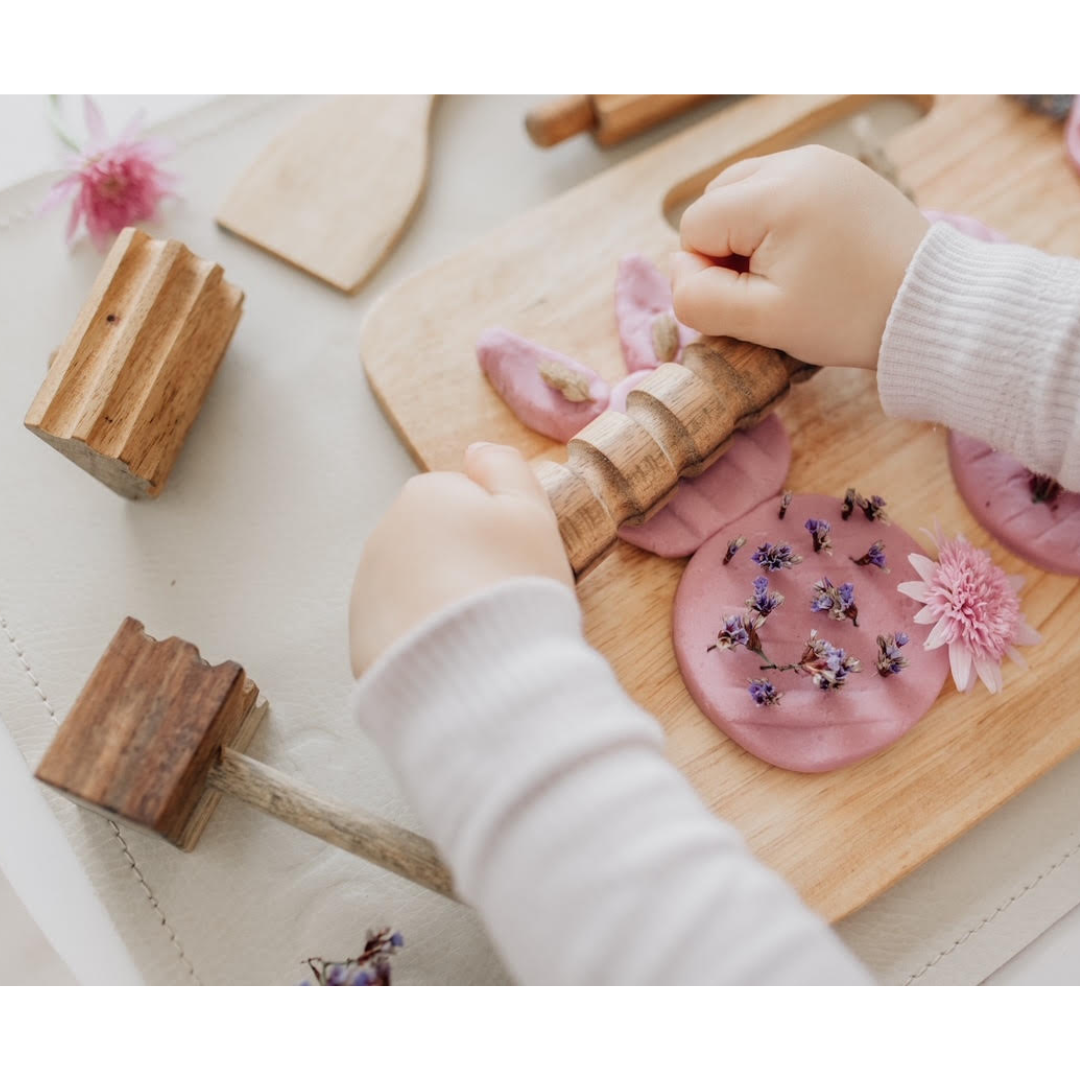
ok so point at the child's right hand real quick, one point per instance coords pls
(828, 242)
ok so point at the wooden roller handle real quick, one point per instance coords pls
(371, 837)
(612, 118)
(679, 420)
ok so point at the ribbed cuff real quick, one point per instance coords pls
(492, 697)
(979, 339)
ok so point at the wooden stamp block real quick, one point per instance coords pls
(128, 381)
(146, 730)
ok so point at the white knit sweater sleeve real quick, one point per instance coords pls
(985, 338)
(587, 854)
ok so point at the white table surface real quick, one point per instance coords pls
(29, 147)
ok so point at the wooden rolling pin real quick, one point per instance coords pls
(621, 468)
(611, 118)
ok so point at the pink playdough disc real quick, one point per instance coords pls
(754, 468)
(808, 730)
(968, 225)
(997, 492)
(641, 293)
(512, 364)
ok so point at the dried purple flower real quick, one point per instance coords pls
(819, 530)
(889, 660)
(785, 502)
(735, 632)
(732, 547)
(370, 968)
(875, 556)
(1044, 489)
(775, 557)
(763, 602)
(826, 665)
(764, 693)
(874, 509)
(850, 498)
(837, 602)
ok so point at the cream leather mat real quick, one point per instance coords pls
(249, 554)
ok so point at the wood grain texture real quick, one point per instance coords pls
(129, 379)
(141, 737)
(333, 193)
(843, 837)
(612, 118)
(370, 837)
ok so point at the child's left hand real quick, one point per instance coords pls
(446, 537)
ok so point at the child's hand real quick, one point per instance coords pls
(828, 242)
(448, 536)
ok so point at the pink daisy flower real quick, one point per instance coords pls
(114, 184)
(975, 610)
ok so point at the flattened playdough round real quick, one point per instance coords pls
(996, 490)
(753, 469)
(809, 730)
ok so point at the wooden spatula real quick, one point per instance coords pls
(333, 194)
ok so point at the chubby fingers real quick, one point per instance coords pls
(719, 301)
(731, 219)
(503, 472)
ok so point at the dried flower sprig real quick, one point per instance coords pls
(370, 968)
(850, 498)
(1044, 489)
(890, 661)
(737, 630)
(772, 557)
(838, 602)
(873, 508)
(763, 603)
(875, 556)
(819, 530)
(763, 693)
(733, 547)
(827, 665)
(785, 502)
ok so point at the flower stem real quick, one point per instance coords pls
(62, 132)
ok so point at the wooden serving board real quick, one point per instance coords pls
(841, 838)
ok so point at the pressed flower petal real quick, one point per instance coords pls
(58, 193)
(1027, 635)
(73, 220)
(924, 567)
(95, 122)
(960, 662)
(1016, 657)
(989, 672)
(133, 127)
(917, 590)
(926, 615)
(1017, 581)
(939, 635)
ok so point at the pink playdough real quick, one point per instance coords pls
(513, 365)
(641, 294)
(808, 730)
(968, 225)
(752, 469)
(620, 390)
(997, 491)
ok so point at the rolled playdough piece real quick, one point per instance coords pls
(752, 470)
(528, 378)
(998, 492)
(809, 729)
(642, 295)
(623, 387)
(968, 225)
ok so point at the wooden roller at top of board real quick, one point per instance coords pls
(612, 118)
(622, 467)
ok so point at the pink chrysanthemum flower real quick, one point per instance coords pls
(975, 610)
(115, 185)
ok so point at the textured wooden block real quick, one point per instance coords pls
(127, 383)
(146, 729)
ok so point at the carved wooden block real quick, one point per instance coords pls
(128, 381)
(145, 730)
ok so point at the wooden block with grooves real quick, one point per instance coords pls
(128, 381)
(141, 737)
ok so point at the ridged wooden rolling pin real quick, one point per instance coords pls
(157, 734)
(612, 118)
(623, 467)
